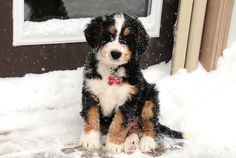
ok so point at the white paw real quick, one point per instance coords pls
(147, 144)
(90, 140)
(131, 143)
(114, 148)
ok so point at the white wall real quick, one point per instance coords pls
(232, 32)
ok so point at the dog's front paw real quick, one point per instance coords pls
(147, 144)
(90, 140)
(114, 148)
(131, 143)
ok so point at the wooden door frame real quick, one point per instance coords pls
(206, 41)
(215, 34)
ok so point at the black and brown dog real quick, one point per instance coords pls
(116, 97)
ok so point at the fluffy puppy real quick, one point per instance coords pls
(116, 98)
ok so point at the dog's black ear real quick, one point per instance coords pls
(142, 39)
(93, 32)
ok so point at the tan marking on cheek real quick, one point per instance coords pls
(147, 114)
(112, 30)
(126, 55)
(126, 31)
(93, 122)
(117, 133)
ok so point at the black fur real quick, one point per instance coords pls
(97, 35)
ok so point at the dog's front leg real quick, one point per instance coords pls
(116, 134)
(90, 138)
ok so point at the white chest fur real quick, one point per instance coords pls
(110, 97)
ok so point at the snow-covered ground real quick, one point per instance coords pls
(39, 114)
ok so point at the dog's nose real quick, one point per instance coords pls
(115, 54)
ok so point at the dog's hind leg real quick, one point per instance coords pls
(132, 140)
(147, 142)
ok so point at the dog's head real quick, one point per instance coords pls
(118, 38)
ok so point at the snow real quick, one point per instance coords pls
(40, 113)
(55, 28)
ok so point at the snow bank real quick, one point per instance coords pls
(40, 113)
(63, 28)
(55, 28)
(204, 104)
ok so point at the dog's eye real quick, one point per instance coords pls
(123, 41)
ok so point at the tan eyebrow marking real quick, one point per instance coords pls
(126, 31)
(112, 30)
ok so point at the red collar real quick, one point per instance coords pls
(112, 80)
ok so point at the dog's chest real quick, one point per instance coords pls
(110, 96)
